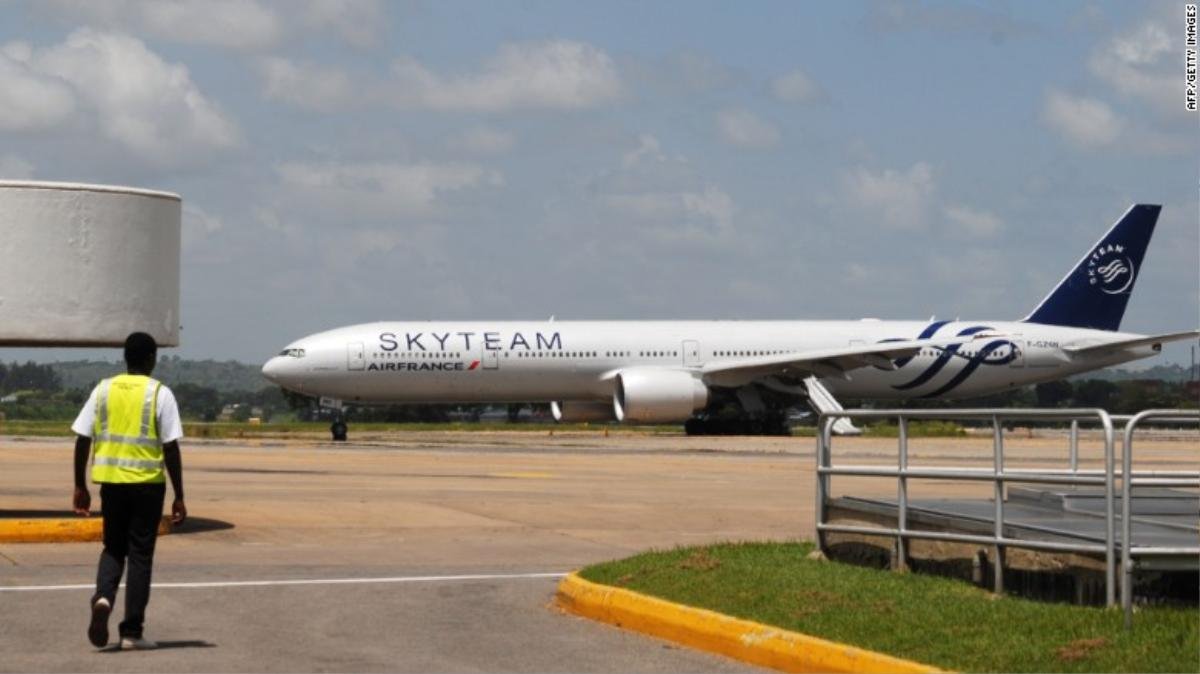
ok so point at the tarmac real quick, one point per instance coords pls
(423, 551)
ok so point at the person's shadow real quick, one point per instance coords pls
(164, 645)
(192, 525)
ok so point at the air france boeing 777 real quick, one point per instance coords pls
(668, 371)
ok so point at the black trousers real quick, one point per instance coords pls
(131, 516)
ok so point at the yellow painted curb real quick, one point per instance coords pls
(743, 640)
(61, 529)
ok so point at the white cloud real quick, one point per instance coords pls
(648, 149)
(13, 167)
(197, 219)
(743, 128)
(794, 87)
(381, 187)
(198, 225)
(136, 99)
(244, 25)
(482, 140)
(358, 22)
(659, 197)
(699, 217)
(712, 203)
(236, 24)
(1085, 122)
(272, 221)
(554, 74)
(901, 198)
(1138, 66)
(30, 100)
(973, 223)
(233, 24)
(307, 85)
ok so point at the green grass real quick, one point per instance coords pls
(276, 429)
(916, 429)
(299, 428)
(938, 621)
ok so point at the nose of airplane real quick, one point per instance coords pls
(273, 370)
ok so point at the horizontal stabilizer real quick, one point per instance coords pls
(1153, 341)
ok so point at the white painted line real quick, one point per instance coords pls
(302, 581)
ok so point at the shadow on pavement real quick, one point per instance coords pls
(163, 645)
(196, 525)
(193, 525)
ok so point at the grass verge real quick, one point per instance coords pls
(218, 430)
(937, 621)
(917, 429)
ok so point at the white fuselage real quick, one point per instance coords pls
(506, 361)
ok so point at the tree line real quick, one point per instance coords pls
(1127, 396)
(41, 394)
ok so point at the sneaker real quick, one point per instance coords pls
(98, 629)
(137, 644)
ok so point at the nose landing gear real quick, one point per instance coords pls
(338, 429)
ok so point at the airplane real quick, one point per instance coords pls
(672, 371)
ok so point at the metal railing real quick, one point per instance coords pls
(1000, 477)
(1174, 479)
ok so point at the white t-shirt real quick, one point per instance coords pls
(169, 427)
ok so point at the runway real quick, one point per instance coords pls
(303, 513)
(430, 552)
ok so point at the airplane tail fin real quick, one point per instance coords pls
(1095, 292)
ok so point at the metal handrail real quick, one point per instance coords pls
(1129, 478)
(1073, 447)
(998, 476)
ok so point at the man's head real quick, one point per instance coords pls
(141, 353)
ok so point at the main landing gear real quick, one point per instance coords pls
(771, 424)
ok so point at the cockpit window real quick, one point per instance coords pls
(294, 353)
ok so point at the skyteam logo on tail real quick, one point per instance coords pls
(1110, 269)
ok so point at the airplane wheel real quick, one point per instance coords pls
(776, 425)
(338, 430)
(694, 426)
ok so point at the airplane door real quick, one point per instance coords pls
(490, 358)
(1018, 352)
(356, 357)
(691, 353)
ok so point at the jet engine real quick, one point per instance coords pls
(574, 410)
(658, 395)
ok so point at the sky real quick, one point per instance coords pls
(346, 161)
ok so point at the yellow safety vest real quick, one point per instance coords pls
(126, 431)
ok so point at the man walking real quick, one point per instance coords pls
(134, 422)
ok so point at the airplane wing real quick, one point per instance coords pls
(834, 362)
(1153, 341)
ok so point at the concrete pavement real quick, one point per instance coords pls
(420, 505)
